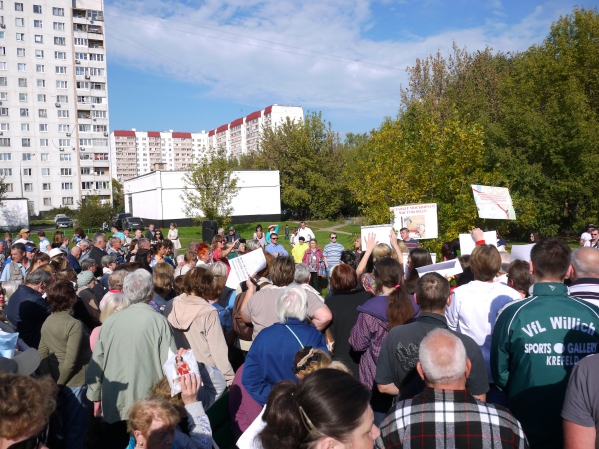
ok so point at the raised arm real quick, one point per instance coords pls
(370, 244)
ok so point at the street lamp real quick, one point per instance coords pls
(21, 171)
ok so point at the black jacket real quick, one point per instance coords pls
(27, 311)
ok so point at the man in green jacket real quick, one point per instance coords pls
(132, 348)
(537, 341)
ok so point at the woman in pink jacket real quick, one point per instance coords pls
(313, 258)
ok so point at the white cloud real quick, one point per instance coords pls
(309, 53)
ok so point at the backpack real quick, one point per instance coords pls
(243, 330)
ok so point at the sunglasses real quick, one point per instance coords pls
(333, 238)
(32, 442)
(274, 238)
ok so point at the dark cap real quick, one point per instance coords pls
(231, 228)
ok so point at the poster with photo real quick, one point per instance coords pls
(493, 202)
(420, 219)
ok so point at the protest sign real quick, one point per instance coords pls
(420, 219)
(381, 233)
(467, 244)
(521, 252)
(493, 202)
(244, 266)
(447, 268)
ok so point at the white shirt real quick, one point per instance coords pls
(473, 312)
(306, 233)
(587, 238)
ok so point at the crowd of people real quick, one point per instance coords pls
(500, 355)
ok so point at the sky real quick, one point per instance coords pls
(196, 65)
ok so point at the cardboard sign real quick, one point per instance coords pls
(493, 202)
(521, 252)
(420, 219)
(467, 243)
(381, 233)
(447, 268)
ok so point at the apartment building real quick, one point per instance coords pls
(135, 153)
(242, 135)
(53, 102)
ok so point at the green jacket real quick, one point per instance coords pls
(132, 347)
(536, 342)
(64, 349)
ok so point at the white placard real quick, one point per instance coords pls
(381, 233)
(521, 252)
(244, 266)
(493, 202)
(467, 244)
(420, 219)
(447, 268)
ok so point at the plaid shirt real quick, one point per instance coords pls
(444, 419)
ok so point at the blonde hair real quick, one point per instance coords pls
(112, 304)
(306, 360)
(144, 411)
(381, 251)
(9, 287)
(164, 267)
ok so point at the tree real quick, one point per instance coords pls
(118, 195)
(91, 213)
(210, 188)
(310, 161)
(3, 190)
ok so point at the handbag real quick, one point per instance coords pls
(322, 269)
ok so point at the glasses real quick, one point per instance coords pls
(32, 442)
(274, 238)
(334, 238)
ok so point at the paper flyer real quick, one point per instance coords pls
(521, 252)
(244, 266)
(493, 202)
(447, 268)
(420, 219)
(467, 244)
(380, 231)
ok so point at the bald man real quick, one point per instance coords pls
(444, 367)
(73, 259)
(584, 274)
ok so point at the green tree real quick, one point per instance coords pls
(118, 195)
(91, 213)
(310, 161)
(210, 188)
(3, 190)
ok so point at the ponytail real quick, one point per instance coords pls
(400, 309)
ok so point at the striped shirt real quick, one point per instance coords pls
(332, 252)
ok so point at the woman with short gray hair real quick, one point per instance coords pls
(138, 286)
(271, 356)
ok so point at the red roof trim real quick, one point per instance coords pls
(223, 128)
(237, 122)
(153, 134)
(124, 133)
(211, 132)
(267, 110)
(253, 116)
(181, 135)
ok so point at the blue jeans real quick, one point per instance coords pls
(76, 411)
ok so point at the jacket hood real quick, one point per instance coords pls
(185, 309)
(377, 307)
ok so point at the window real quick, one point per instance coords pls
(48, 202)
(63, 114)
(39, 53)
(24, 126)
(65, 157)
(37, 9)
(5, 171)
(61, 85)
(3, 81)
(46, 186)
(85, 142)
(9, 187)
(43, 113)
(5, 142)
(20, 22)
(60, 55)
(82, 84)
(2, 65)
(96, 72)
(20, 52)
(39, 68)
(41, 83)
(84, 100)
(26, 172)
(59, 40)
(22, 97)
(61, 69)
(62, 98)
(86, 170)
(67, 201)
(20, 37)
(99, 114)
(85, 156)
(58, 26)
(103, 185)
(22, 82)
(26, 142)
(97, 100)
(4, 111)
(38, 38)
(43, 143)
(80, 41)
(63, 128)
(58, 11)
(37, 24)
(45, 171)
(1, 34)
(28, 187)
(85, 128)
(3, 51)
(4, 126)
(18, 6)
(101, 156)
(81, 56)
(43, 128)
(26, 156)
(24, 112)
(5, 156)
(1, 4)
(100, 142)
(67, 186)
(87, 185)
(45, 158)
(66, 172)
(96, 57)
(64, 143)
(100, 128)
(41, 98)
(22, 67)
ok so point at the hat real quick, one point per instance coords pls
(84, 278)
(29, 247)
(25, 362)
(231, 228)
(55, 252)
(23, 231)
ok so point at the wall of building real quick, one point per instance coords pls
(156, 197)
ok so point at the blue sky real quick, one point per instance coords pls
(192, 66)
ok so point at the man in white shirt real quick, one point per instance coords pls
(304, 232)
(585, 238)
(23, 237)
(44, 242)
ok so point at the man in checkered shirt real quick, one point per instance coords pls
(445, 415)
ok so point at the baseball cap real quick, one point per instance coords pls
(24, 231)
(231, 228)
(55, 252)
(29, 248)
